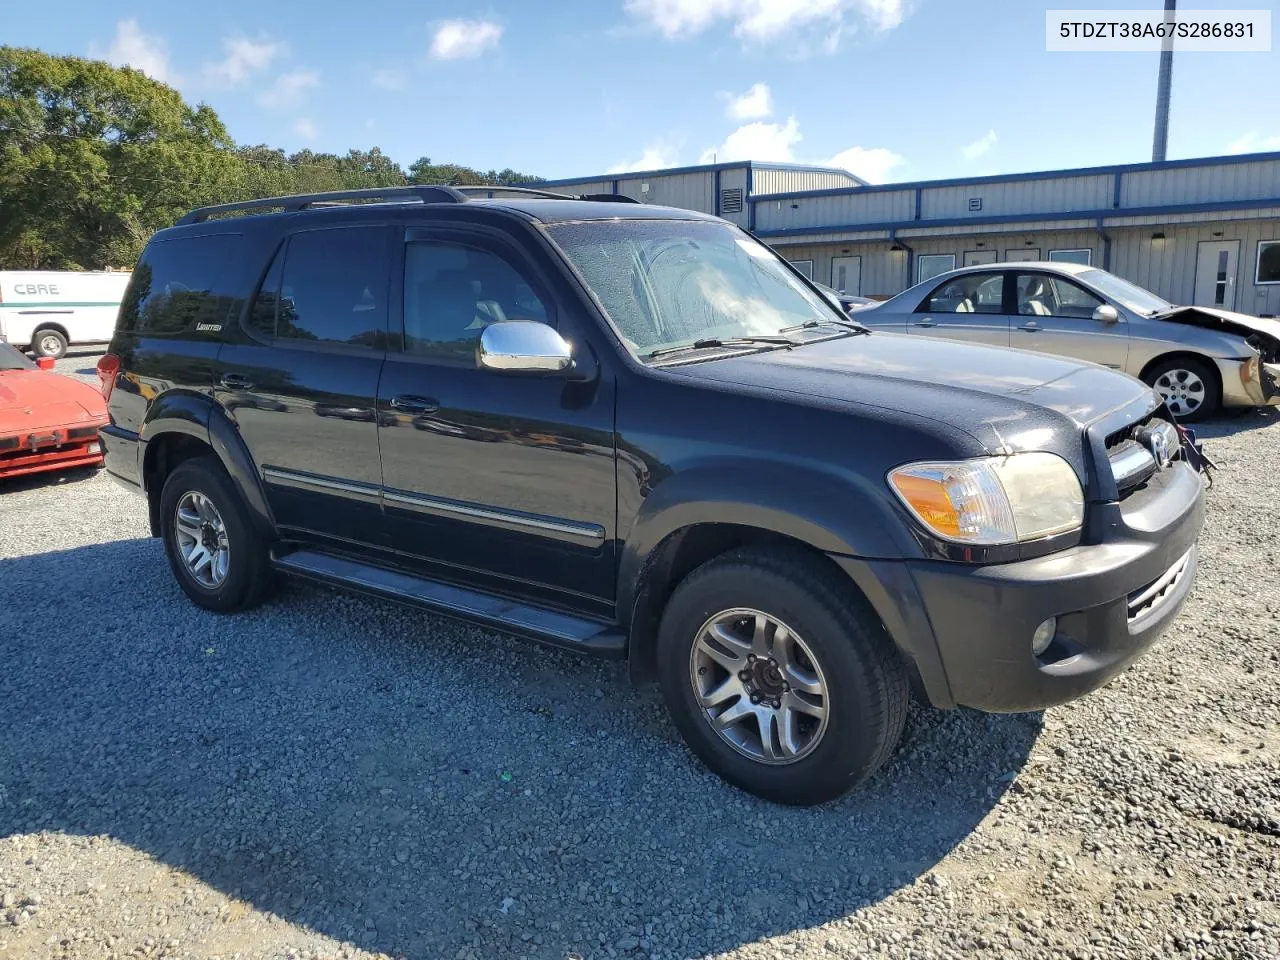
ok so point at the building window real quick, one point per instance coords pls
(1021, 254)
(931, 264)
(804, 266)
(1268, 262)
(1080, 255)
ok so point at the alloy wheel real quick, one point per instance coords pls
(759, 685)
(1182, 390)
(201, 538)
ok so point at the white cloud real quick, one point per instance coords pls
(872, 164)
(757, 141)
(655, 157)
(464, 39)
(244, 58)
(1254, 142)
(289, 89)
(759, 20)
(979, 147)
(305, 128)
(390, 79)
(752, 105)
(130, 47)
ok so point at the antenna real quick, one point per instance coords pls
(1160, 143)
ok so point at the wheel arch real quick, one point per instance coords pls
(54, 325)
(184, 425)
(1202, 359)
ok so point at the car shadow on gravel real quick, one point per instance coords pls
(426, 789)
(1234, 422)
(56, 478)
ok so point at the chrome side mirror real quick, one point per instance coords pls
(1106, 314)
(523, 346)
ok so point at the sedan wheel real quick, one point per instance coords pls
(1183, 390)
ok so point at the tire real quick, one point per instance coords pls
(49, 343)
(1176, 379)
(848, 652)
(246, 578)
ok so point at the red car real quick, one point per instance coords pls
(47, 421)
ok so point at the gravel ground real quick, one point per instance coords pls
(330, 776)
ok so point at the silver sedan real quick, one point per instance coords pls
(1198, 358)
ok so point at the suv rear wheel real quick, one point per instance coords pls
(780, 682)
(218, 558)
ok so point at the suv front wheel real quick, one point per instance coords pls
(218, 558)
(778, 679)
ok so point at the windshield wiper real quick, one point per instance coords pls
(849, 325)
(709, 342)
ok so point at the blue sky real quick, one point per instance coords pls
(892, 89)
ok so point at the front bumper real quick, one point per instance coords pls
(49, 449)
(1249, 383)
(968, 629)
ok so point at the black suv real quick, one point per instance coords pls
(637, 432)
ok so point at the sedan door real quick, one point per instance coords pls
(967, 307)
(1056, 315)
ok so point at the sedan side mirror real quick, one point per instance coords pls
(523, 346)
(1107, 314)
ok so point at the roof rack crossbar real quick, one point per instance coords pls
(422, 193)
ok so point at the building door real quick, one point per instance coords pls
(1216, 262)
(974, 257)
(846, 275)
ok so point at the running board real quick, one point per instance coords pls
(509, 616)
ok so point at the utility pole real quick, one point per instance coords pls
(1160, 143)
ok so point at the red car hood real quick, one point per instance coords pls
(37, 400)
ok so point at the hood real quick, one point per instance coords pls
(965, 385)
(35, 399)
(1227, 320)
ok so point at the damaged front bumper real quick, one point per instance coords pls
(1250, 383)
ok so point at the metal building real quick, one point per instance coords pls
(1203, 231)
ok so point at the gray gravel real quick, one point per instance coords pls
(331, 776)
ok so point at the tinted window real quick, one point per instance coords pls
(179, 284)
(970, 293)
(1041, 295)
(451, 293)
(262, 315)
(333, 288)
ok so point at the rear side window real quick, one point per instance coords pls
(182, 286)
(967, 293)
(332, 289)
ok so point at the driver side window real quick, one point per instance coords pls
(452, 292)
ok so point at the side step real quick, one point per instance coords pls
(510, 616)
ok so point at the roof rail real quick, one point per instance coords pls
(424, 194)
(489, 191)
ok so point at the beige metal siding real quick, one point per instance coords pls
(793, 181)
(1054, 195)
(689, 191)
(1228, 181)
(840, 210)
(1169, 267)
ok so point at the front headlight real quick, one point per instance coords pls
(994, 500)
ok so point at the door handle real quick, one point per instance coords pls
(925, 323)
(235, 381)
(407, 403)
(1030, 326)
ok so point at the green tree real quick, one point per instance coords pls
(94, 158)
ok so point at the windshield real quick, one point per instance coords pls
(11, 359)
(668, 283)
(1128, 294)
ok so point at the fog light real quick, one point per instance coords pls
(1044, 635)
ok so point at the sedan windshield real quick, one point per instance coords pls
(675, 283)
(1128, 294)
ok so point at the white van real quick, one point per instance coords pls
(44, 311)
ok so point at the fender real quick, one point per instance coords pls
(197, 415)
(837, 514)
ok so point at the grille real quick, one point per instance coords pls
(1130, 452)
(1145, 602)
